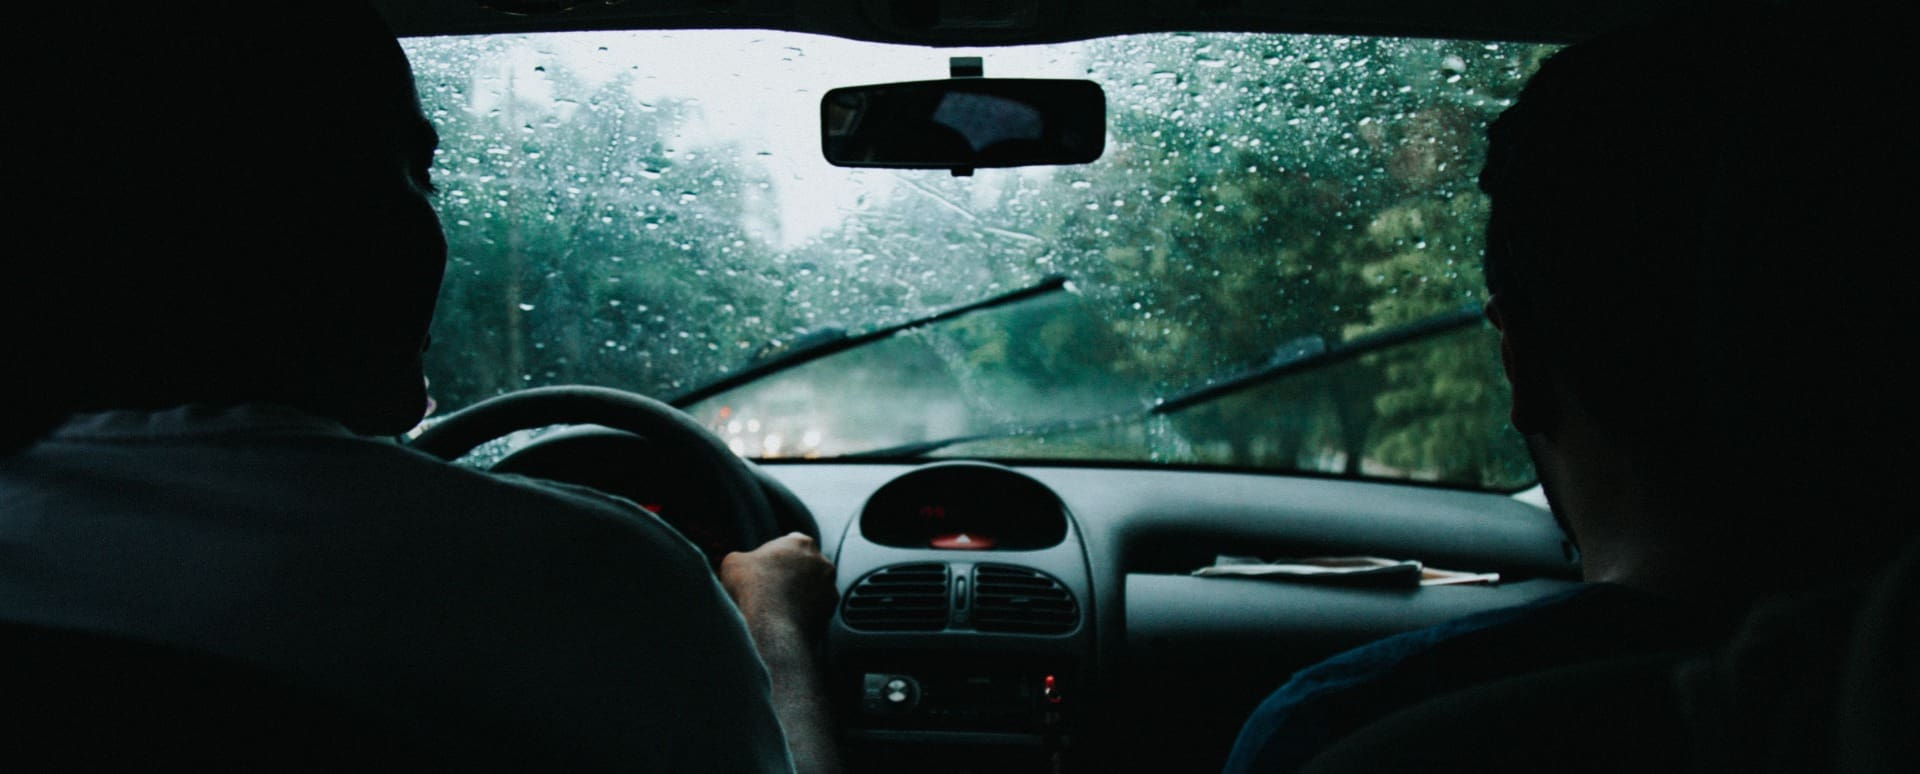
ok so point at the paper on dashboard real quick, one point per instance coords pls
(1342, 570)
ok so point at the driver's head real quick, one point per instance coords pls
(1692, 242)
(221, 204)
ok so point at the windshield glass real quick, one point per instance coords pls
(651, 211)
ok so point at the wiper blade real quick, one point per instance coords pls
(922, 448)
(1296, 356)
(831, 341)
(1309, 358)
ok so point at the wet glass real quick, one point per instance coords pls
(650, 211)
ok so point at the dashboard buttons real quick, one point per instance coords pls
(889, 694)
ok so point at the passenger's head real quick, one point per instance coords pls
(1691, 231)
(219, 204)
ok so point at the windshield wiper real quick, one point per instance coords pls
(1296, 356)
(824, 342)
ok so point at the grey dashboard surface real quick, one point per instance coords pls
(1172, 521)
(1180, 621)
(1145, 530)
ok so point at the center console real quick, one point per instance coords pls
(964, 637)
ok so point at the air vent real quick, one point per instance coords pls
(1016, 599)
(906, 597)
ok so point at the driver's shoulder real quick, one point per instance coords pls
(268, 462)
(594, 508)
(536, 512)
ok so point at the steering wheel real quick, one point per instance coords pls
(740, 501)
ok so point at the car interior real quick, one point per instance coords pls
(1103, 561)
(1037, 611)
(1040, 612)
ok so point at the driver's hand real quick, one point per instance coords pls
(785, 591)
(785, 581)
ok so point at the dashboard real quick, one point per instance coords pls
(1046, 618)
(1066, 631)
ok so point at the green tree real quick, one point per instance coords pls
(585, 200)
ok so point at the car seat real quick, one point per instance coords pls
(87, 701)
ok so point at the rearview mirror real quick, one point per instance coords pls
(963, 123)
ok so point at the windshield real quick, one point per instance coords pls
(651, 211)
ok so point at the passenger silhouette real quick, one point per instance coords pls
(1688, 263)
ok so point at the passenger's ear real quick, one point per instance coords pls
(1532, 388)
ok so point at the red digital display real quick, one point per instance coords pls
(961, 541)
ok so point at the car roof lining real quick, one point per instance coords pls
(1013, 22)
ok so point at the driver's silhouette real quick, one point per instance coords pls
(225, 270)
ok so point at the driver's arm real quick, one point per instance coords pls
(785, 591)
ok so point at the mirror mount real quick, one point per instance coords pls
(965, 67)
